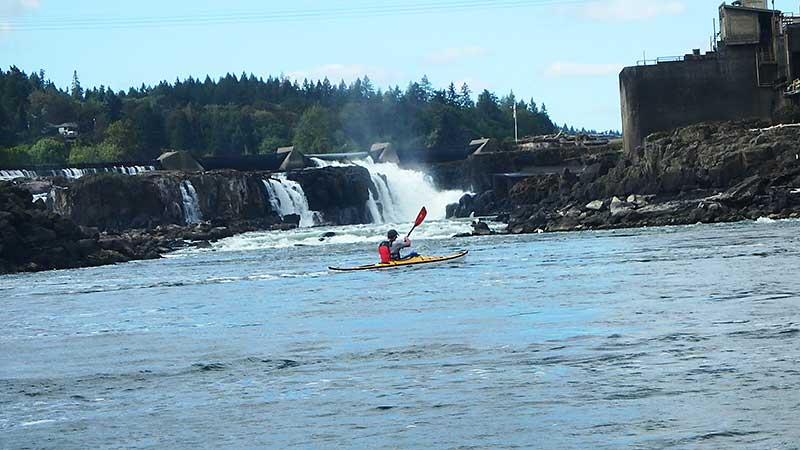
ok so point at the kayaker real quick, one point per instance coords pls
(390, 250)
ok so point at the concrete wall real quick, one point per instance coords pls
(665, 96)
(793, 51)
(739, 26)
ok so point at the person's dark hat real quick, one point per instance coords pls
(392, 234)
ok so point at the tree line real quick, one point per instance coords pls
(244, 115)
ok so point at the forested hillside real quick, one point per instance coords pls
(243, 115)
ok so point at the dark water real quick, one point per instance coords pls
(684, 338)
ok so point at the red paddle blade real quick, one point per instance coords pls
(422, 214)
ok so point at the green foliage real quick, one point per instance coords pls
(314, 132)
(243, 115)
(100, 153)
(49, 151)
(15, 156)
(125, 138)
(76, 91)
(447, 128)
(270, 145)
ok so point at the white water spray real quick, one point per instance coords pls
(74, 173)
(191, 204)
(401, 192)
(287, 197)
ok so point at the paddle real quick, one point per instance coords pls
(420, 217)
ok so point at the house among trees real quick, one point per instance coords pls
(67, 130)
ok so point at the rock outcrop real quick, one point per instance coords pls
(469, 205)
(115, 203)
(339, 193)
(109, 218)
(33, 239)
(228, 198)
(710, 172)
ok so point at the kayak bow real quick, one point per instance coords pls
(417, 260)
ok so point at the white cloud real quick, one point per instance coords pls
(452, 55)
(625, 10)
(9, 9)
(569, 69)
(346, 72)
(17, 7)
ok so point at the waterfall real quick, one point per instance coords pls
(12, 174)
(45, 196)
(73, 173)
(287, 197)
(191, 204)
(401, 192)
(375, 210)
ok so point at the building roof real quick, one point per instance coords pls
(750, 8)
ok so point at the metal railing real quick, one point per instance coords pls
(661, 59)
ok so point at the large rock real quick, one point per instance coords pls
(340, 194)
(32, 239)
(113, 202)
(619, 207)
(116, 202)
(703, 173)
(596, 205)
(464, 207)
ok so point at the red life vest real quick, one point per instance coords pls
(385, 251)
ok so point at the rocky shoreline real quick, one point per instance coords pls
(112, 218)
(705, 173)
(33, 239)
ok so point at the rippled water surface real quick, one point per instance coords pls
(685, 338)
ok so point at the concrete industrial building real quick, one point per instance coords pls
(750, 75)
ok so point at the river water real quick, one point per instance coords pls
(680, 338)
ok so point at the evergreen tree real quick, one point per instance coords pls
(426, 87)
(452, 96)
(243, 114)
(367, 89)
(76, 91)
(465, 97)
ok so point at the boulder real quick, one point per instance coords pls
(596, 205)
(619, 207)
(340, 194)
(484, 204)
(450, 210)
(292, 219)
(639, 200)
(283, 227)
(39, 235)
(481, 228)
(591, 172)
(464, 208)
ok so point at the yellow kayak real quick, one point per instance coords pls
(417, 260)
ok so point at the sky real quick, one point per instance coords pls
(566, 54)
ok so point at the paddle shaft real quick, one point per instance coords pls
(420, 217)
